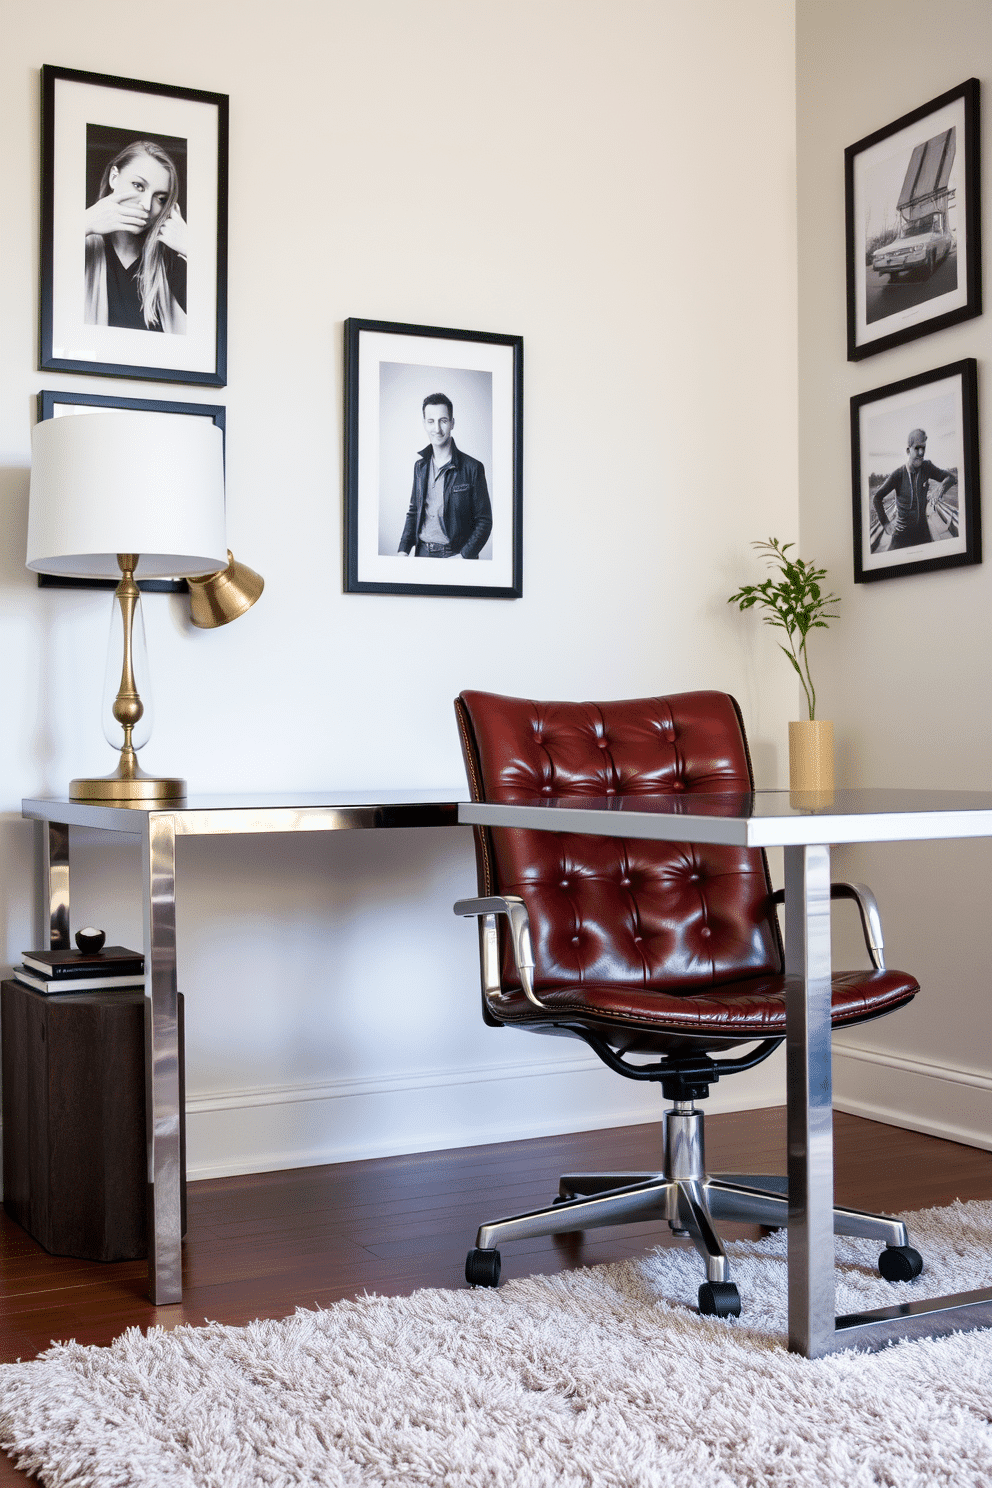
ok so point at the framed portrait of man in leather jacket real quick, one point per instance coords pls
(433, 461)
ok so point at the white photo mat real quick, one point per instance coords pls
(879, 171)
(885, 427)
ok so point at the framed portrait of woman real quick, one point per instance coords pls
(133, 229)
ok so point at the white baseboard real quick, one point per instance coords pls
(303, 1125)
(937, 1099)
(268, 1128)
(265, 1129)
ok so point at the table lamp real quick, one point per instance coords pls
(115, 495)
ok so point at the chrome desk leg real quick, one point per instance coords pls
(810, 1116)
(54, 898)
(162, 1060)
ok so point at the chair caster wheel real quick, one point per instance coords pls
(719, 1299)
(900, 1263)
(482, 1268)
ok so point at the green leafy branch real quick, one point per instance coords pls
(796, 602)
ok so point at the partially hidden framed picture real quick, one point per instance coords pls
(433, 461)
(72, 405)
(914, 256)
(133, 229)
(914, 450)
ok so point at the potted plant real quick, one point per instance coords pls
(796, 601)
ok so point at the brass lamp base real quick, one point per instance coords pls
(128, 786)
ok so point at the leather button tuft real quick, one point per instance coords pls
(677, 785)
(706, 932)
(575, 940)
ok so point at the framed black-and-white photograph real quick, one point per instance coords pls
(433, 461)
(133, 229)
(71, 405)
(914, 257)
(914, 449)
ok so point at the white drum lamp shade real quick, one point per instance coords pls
(109, 483)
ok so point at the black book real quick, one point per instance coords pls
(112, 961)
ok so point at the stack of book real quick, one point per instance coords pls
(115, 967)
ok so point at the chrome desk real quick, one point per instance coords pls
(157, 827)
(805, 826)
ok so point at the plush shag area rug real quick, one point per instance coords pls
(604, 1377)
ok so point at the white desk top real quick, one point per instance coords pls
(763, 818)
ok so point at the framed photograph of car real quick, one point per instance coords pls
(914, 257)
(433, 458)
(914, 457)
(133, 229)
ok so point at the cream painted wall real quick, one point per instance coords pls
(906, 673)
(617, 184)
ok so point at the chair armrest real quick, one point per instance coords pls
(523, 953)
(871, 921)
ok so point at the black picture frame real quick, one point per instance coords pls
(913, 220)
(390, 368)
(52, 404)
(88, 120)
(943, 403)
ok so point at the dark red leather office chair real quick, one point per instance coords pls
(657, 949)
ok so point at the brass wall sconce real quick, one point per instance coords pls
(216, 599)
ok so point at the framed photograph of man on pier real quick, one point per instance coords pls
(433, 461)
(913, 210)
(133, 229)
(914, 454)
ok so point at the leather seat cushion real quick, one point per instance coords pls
(750, 1009)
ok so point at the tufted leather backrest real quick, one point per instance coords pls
(662, 915)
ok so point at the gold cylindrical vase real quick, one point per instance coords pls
(811, 755)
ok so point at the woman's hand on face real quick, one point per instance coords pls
(173, 233)
(108, 215)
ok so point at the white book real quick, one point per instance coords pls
(67, 985)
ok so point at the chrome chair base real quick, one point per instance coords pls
(691, 1201)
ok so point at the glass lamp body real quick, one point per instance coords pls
(113, 671)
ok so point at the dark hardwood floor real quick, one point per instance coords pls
(262, 1245)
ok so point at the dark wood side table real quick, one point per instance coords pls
(75, 1166)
